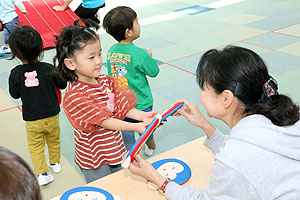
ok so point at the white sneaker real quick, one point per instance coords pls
(148, 151)
(45, 179)
(56, 168)
(5, 49)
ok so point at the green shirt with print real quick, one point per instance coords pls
(132, 64)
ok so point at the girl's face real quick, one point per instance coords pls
(88, 62)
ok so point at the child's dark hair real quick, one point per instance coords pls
(71, 40)
(26, 44)
(88, 23)
(245, 74)
(118, 20)
(17, 180)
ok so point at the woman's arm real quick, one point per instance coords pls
(225, 183)
(216, 141)
(63, 7)
(192, 113)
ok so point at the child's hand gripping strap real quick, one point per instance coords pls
(149, 130)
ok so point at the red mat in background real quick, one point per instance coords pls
(45, 20)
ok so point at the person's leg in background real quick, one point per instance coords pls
(53, 142)
(150, 144)
(98, 13)
(36, 144)
(88, 13)
(7, 29)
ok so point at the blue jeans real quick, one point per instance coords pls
(128, 136)
(9, 27)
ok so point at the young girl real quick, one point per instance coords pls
(33, 83)
(95, 104)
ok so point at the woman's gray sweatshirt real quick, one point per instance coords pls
(256, 161)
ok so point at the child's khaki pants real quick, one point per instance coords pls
(41, 131)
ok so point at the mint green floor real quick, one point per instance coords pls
(269, 27)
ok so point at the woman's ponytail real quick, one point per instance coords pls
(280, 109)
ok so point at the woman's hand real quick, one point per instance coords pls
(143, 168)
(192, 113)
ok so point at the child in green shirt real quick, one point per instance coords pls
(131, 64)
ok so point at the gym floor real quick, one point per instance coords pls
(177, 32)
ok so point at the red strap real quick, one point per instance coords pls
(163, 187)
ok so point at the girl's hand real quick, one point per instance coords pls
(140, 127)
(147, 117)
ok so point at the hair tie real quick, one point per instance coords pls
(270, 88)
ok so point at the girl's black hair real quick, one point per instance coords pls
(71, 40)
(17, 180)
(26, 44)
(244, 73)
(118, 20)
